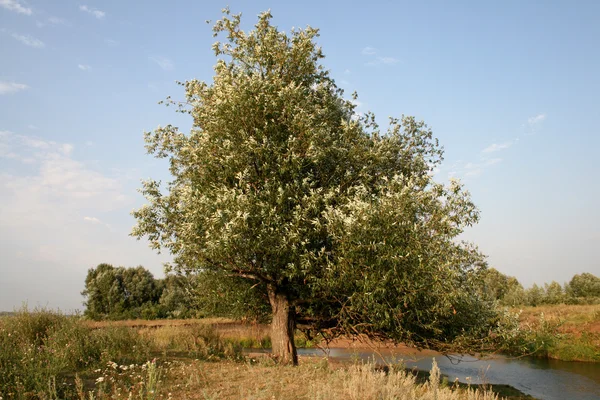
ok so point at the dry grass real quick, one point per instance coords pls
(575, 319)
(249, 334)
(313, 379)
(577, 328)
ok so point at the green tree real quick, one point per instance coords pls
(535, 295)
(553, 293)
(584, 285)
(515, 294)
(119, 292)
(495, 284)
(283, 192)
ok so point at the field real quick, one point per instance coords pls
(572, 331)
(45, 355)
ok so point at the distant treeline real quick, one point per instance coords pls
(507, 290)
(130, 293)
(116, 293)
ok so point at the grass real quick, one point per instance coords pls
(571, 332)
(46, 355)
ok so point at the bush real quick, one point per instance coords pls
(39, 349)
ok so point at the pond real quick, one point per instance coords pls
(542, 379)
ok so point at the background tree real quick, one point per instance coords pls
(495, 284)
(535, 295)
(120, 293)
(553, 293)
(584, 285)
(281, 192)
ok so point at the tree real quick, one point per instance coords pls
(535, 295)
(118, 292)
(584, 285)
(103, 289)
(495, 284)
(554, 293)
(282, 190)
(515, 294)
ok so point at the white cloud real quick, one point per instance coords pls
(28, 40)
(11, 87)
(471, 169)
(44, 231)
(56, 21)
(347, 72)
(473, 173)
(163, 62)
(53, 184)
(379, 60)
(369, 51)
(93, 220)
(95, 12)
(16, 6)
(52, 21)
(492, 161)
(497, 147)
(535, 120)
(111, 42)
(32, 127)
(383, 61)
(84, 67)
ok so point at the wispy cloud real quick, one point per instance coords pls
(378, 60)
(534, 123)
(84, 67)
(59, 175)
(16, 6)
(28, 40)
(163, 62)
(11, 87)
(369, 51)
(383, 61)
(536, 120)
(56, 21)
(111, 42)
(497, 147)
(461, 169)
(93, 11)
(473, 170)
(52, 21)
(43, 187)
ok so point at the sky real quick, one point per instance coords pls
(511, 89)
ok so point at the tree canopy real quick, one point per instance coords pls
(282, 190)
(121, 293)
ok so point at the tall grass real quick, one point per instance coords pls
(42, 350)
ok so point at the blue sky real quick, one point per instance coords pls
(509, 88)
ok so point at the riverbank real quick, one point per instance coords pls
(47, 355)
(560, 332)
(564, 332)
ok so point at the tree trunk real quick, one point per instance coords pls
(282, 328)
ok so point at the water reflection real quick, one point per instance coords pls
(542, 379)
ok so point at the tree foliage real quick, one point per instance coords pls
(282, 191)
(120, 293)
(584, 285)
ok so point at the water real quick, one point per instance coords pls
(542, 379)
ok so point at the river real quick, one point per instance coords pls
(542, 379)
